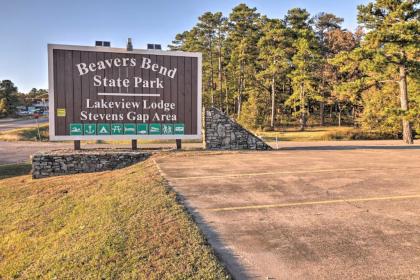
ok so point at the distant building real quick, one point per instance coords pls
(41, 104)
(38, 105)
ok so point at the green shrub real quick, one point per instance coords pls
(358, 134)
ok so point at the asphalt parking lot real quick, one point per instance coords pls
(306, 213)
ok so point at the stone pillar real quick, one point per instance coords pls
(223, 133)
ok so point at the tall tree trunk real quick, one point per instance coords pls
(211, 73)
(308, 109)
(226, 94)
(273, 92)
(331, 111)
(407, 133)
(353, 115)
(236, 104)
(302, 109)
(220, 82)
(283, 89)
(322, 102)
(339, 114)
(240, 90)
(321, 110)
(239, 104)
(220, 70)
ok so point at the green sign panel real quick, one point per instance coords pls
(76, 129)
(167, 129)
(89, 129)
(117, 129)
(104, 129)
(130, 128)
(127, 129)
(154, 128)
(143, 128)
(179, 128)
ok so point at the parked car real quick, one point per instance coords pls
(23, 113)
(38, 111)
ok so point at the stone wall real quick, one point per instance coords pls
(223, 133)
(70, 162)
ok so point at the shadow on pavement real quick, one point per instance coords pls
(13, 170)
(338, 148)
(225, 254)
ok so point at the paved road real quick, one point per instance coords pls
(12, 152)
(331, 212)
(15, 152)
(9, 124)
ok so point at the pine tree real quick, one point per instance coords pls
(8, 97)
(195, 40)
(305, 63)
(255, 67)
(274, 60)
(347, 77)
(392, 42)
(298, 20)
(342, 72)
(3, 107)
(304, 78)
(242, 37)
(221, 28)
(325, 24)
(207, 28)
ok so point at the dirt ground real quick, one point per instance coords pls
(308, 211)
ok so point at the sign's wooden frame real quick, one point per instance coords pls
(54, 137)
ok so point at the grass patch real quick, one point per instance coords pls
(324, 134)
(121, 224)
(358, 134)
(310, 134)
(25, 134)
(13, 170)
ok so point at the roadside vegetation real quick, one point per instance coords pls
(25, 134)
(303, 70)
(272, 72)
(325, 134)
(122, 224)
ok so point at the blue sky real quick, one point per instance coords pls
(27, 26)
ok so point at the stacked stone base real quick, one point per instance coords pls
(223, 133)
(71, 162)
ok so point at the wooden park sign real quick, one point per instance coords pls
(111, 93)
